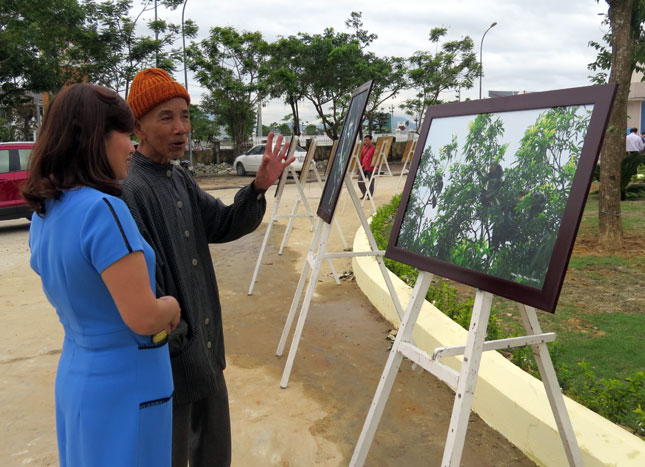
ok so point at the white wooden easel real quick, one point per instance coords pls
(315, 256)
(309, 213)
(410, 146)
(464, 382)
(275, 216)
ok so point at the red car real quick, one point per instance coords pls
(14, 159)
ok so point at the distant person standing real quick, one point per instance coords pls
(367, 164)
(634, 143)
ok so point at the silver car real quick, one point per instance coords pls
(249, 162)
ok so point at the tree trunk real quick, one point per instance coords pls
(296, 117)
(610, 227)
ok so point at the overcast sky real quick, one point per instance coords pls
(535, 46)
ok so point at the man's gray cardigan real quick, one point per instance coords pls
(178, 219)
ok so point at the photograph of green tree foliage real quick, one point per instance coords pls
(480, 207)
(492, 189)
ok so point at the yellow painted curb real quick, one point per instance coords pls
(508, 399)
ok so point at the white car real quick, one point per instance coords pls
(249, 162)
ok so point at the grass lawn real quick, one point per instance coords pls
(600, 317)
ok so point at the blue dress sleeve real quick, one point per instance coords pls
(108, 233)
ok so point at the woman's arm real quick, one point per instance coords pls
(128, 283)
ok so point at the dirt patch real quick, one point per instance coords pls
(588, 246)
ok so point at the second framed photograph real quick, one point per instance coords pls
(336, 175)
(496, 190)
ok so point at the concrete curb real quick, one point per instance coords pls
(508, 399)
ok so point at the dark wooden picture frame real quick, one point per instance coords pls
(334, 182)
(511, 224)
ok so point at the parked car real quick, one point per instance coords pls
(249, 162)
(14, 160)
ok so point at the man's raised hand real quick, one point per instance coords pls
(274, 161)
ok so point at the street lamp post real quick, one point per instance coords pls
(481, 67)
(183, 40)
(156, 38)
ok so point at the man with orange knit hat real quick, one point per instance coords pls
(178, 219)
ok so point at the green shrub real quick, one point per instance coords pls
(617, 400)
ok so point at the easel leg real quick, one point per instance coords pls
(368, 184)
(264, 243)
(301, 284)
(305, 304)
(305, 203)
(340, 232)
(287, 232)
(403, 172)
(389, 171)
(552, 388)
(467, 380)
(391, 368)
(374, 247)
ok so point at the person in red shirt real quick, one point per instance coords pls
(367, 164)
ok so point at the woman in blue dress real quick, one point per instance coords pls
(114, 383)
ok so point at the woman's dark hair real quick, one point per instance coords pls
(70, 150)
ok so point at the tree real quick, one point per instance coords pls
(389, 75)
(227, 63)
(202, 127)
(285, 129)
(626, 19)
(333, 64)
(454, 66)
(35, 40)
(325, 68)
(355, 23)
(376, 122)
(311, 130)
(111, 53)
(20, 122)
(281, 74)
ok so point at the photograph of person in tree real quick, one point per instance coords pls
(490, 190)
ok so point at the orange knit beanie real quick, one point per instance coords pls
(151, 87)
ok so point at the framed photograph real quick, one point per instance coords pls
(293, 142)
(408, 152)
(304, 172)
(334, 182)
(497, 188)
(382, 150)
